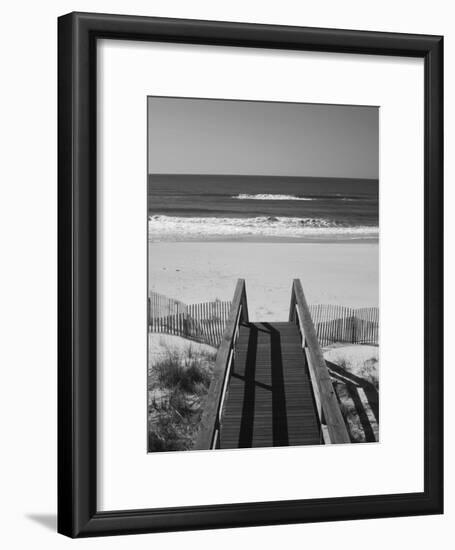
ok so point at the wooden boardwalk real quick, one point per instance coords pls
(269, 400)
(270, 385)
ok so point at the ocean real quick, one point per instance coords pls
(183, 207)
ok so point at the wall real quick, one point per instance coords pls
(28, 274)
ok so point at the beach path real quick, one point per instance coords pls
(270, 400)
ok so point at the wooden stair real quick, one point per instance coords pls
(269, 400)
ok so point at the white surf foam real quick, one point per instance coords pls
(270, 197)
(179, 227)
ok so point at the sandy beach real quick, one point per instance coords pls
(331, 273)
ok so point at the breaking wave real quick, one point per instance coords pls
(179, 227)
(271, 197)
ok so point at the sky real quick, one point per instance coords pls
(206, 136)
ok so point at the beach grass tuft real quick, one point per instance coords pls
(184, 373)
(178, 384)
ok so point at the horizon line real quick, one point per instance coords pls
(258, 176)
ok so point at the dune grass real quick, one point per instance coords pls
(183, 372)
(178, 384)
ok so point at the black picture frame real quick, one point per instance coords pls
(77, 249)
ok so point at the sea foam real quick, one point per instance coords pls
(180, 227)
(271, 197)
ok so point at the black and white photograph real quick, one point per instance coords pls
(223, 266)
(263, 274)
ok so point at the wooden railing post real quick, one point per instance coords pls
(331, 419)
(208, 435)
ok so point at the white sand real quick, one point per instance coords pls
(161, 344)
(331, 273)
(354, 355)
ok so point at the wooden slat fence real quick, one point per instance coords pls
(162, 306)
(345, 325)
(204, 322)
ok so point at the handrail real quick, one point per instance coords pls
(329, 412)
(208, 434)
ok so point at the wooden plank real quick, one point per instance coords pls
(270, 399)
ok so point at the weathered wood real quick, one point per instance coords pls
(210, 416)
(200, 322)
(335, 323)
(330, 413)
(270, 400)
